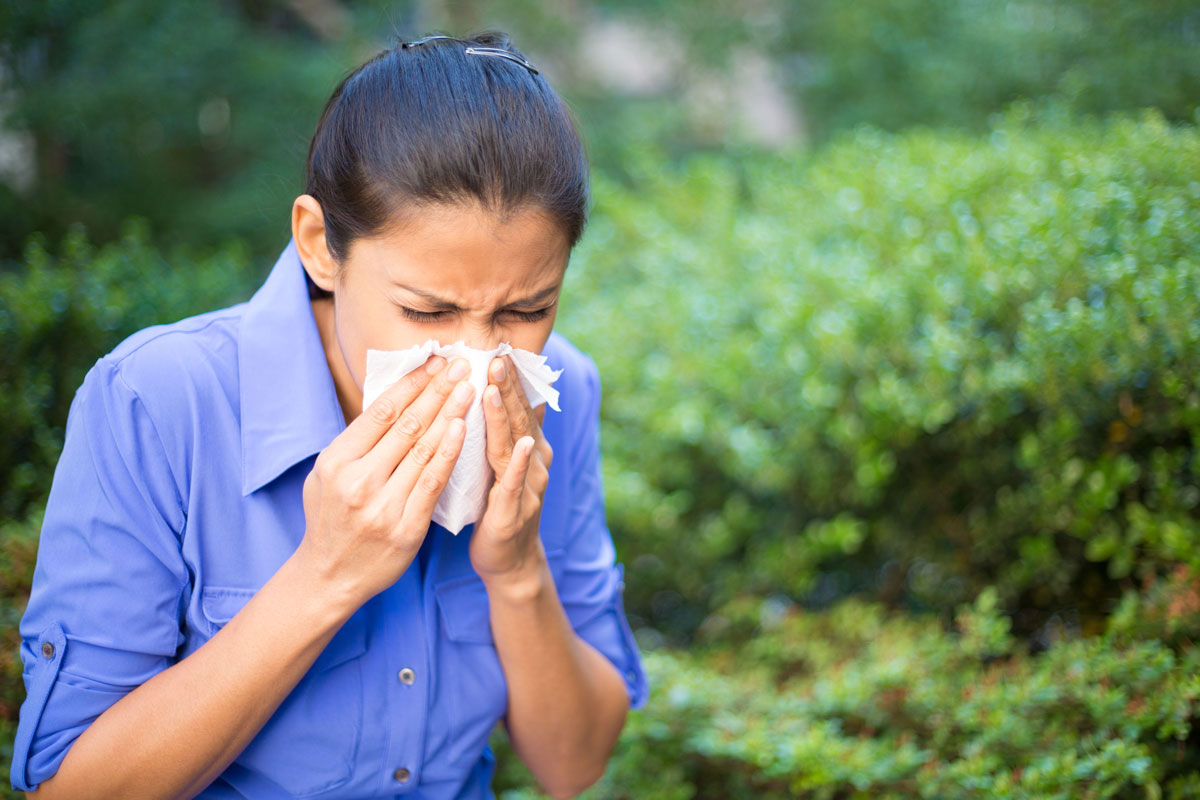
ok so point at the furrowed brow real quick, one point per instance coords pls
(432, 299)
(450, 305)
(534, 299)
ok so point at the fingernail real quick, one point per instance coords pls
(498, 370)
(458, 370)
(463, 392)
(435, 364)
(494, 397)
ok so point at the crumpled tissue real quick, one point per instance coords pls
(465, 496)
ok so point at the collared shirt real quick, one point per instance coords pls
(178, 495)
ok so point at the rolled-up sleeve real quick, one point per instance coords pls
(592, 584)
(108, 587)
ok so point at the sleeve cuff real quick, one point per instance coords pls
(607, 629)
(42, 663)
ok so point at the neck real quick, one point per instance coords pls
(349, 395)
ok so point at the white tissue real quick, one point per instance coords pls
(463, 500)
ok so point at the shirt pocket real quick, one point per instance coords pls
(310, 744)
(471, 680)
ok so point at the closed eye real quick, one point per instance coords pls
(529, 316)
(422, 316)
(434, 316)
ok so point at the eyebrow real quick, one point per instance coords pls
(442, 303)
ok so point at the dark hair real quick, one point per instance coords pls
(432, 124)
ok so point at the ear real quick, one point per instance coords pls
(308, 231)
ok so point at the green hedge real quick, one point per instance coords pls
(219, 100)
(913, 366)
(856, 703)
(908, 365)
(60, 312)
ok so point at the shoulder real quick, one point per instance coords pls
(574, 432)
(579, 384)
(169, 367)
(163, 389)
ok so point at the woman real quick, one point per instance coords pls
(239, 590)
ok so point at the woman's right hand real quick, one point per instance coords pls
(370, 496)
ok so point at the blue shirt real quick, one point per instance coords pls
(178, 495)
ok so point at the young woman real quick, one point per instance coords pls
(239, 590)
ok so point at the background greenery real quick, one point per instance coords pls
(901, 405)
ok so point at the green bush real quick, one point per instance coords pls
(59, 313)
(18, 553)
(909, 365)
(854, 702)
(195, 116)
(198, 117)
(891, 64)
(926, 367)
(899, 63)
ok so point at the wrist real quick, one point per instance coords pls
(329, 595)
(526, 581)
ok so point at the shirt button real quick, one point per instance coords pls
(407, 676)
(402, 775)
(47, 650)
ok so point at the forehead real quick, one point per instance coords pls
(467, 254)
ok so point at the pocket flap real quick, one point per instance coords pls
(347, 644)
(222, 603)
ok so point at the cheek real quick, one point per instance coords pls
(363, 326)
(531, 337)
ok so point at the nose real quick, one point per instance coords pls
(479, 335)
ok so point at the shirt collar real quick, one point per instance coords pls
(289, 405)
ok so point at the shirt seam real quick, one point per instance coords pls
(169, 329)
(184, 588)
(175, 483)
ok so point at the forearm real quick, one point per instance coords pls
(566, 701)
(174, 734)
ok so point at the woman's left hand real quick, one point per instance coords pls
(505, 545)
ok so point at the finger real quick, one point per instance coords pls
(510, 488)
(539, 474)
(415, 420)
(520, 416)
(499, 435)
(369, 427)
(514, 477)
(424, 449)
(504, 377)
(422, 497)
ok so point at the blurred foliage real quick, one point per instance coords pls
(976, 365)
(937, 362)
(59, 313)
(892, 64)
(855, 702)
(18, 554)
(943, 362)
(947, 360)
(197, 115)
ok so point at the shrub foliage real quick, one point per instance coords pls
(60, 312)
(911, 365)
(854, 702)
(958, 373)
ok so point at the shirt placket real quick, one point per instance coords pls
(409, 683)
